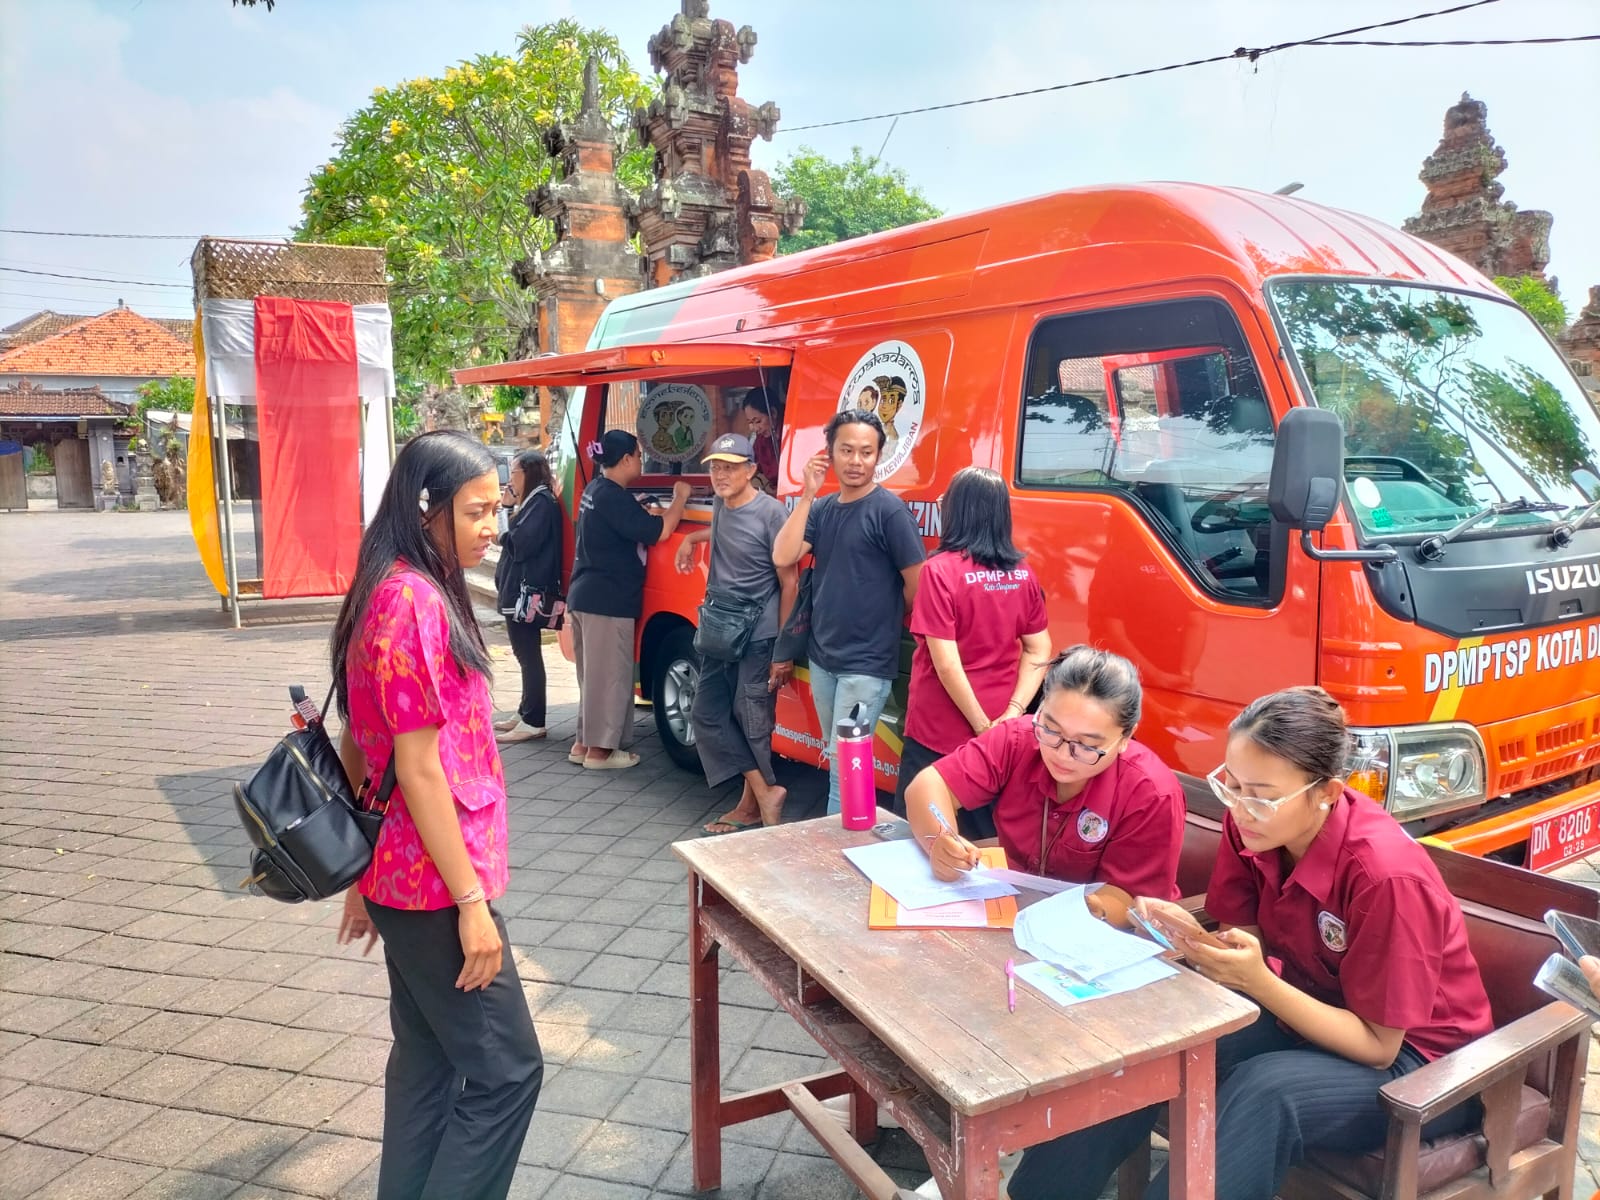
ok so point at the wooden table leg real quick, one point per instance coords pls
(863, 1116)
(1192, 1121)
(975, 1158)
(705, 1059)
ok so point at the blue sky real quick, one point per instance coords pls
(189, 116)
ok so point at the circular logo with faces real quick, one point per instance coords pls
(888, 381)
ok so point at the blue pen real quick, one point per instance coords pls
(943, 823)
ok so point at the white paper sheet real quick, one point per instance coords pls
(1021, 879)
(1066, 987)
(1062, 930)
(903, 870)
(958, 914)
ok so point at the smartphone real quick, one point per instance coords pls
(892, 831)
(1562, 978)
(1179, 936)
(1578, 935)
(1149, 930)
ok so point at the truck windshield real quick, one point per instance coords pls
(1450, 402)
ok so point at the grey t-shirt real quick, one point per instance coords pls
(741, 554)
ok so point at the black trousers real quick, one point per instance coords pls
(465, 1068)
(1277, 1097)
(733, 715)
(528, 647)
(975, 824)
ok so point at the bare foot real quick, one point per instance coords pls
(771, 805)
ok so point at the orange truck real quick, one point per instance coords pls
(1251, 442)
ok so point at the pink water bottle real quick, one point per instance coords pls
(858, 795)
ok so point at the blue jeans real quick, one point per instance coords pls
(834, 696)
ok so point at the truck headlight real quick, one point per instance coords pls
(1421, 770)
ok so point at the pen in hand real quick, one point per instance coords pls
(944, 824)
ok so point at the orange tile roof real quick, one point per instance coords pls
(25, 400)
(116, 343)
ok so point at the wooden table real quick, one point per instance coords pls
(917, 1019)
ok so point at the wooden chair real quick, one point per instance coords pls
(1528, 1073)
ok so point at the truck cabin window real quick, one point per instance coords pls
(1161, 404)
(1450, 403)
(675, 420)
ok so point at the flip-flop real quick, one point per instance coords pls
(617, 760)
(733, 827)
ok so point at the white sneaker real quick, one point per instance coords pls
(520, 732)
(507, 725)
(1008, 1167)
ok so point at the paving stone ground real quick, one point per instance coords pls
(164, 1035)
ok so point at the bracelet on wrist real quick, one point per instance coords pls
(473, 895)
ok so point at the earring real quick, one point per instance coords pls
(422, 501)
(1323, 807)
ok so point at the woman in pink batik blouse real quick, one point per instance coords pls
(412, 674)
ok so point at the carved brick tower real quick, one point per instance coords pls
(708, 209)
(1463, 212)
(592, 261)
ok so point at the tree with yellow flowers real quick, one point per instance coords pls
(437, 171)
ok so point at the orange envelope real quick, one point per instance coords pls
(999, 913)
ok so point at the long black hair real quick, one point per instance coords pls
(1099, 675)
(535, 468)
(440, 464)
(976, 516)
(614, 446)
(1304, 726)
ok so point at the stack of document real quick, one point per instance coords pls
(1082, 957)
(903, 870)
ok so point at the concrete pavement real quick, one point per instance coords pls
(164, 1035)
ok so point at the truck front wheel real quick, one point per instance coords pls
(674, 676)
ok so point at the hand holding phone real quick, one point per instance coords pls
(1560, 977)
(1579, 936)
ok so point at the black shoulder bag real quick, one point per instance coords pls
(727, 619)
(313, 837)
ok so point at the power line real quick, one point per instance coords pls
(1249, 54)
(153, 237)
(102, 278)
(1538, 41)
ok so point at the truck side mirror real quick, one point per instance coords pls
(1307, 464)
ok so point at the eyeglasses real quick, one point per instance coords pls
(1087, 755)
(1258, 808)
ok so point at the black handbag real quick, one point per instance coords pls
(313, 838)
(727, 620)
(795, 636)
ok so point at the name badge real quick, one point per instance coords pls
(1092, 827)
(1333, 932)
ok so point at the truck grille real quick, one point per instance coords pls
(1532, 752)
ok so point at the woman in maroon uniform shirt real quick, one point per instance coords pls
(1372, 977)
(1075, 797)
(981, 633)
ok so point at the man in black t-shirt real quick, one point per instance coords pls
(868, 559)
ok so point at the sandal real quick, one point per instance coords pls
(706, 830)
(617, 760)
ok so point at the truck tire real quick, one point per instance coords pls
(674, 675)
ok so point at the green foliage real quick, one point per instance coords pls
(846, 199)
(438, 172)
(164, 395)
(41, 459)
(1543, 305)
(406, 420)
(508, 399)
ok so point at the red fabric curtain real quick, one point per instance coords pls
(309, 412)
